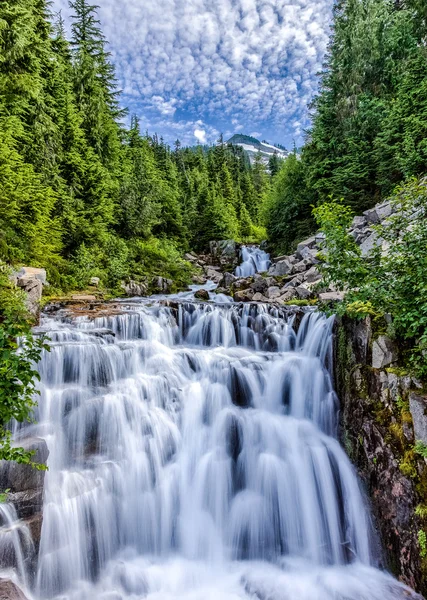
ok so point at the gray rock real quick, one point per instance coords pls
(371, 216)
(224, 252)
(300, 267)
(227, 280)
(383, 210)
(260, 284)
(384, 352)
(244, 295)
(259, 298)
(241, 284)
(162, 285)
(198, 279)
(320, 238)
(191, 257)
(312, 275)
(134, 288)
(20, 478)
(418, 408)
(213, 274)
(10, 591)
(309, 254)
(331, 296)
(33, 273)
(287, 296)
(94, 281)
(308, 243)
(34, 289)
(303, 293)
(293, 283)
(273, 292)
(280, 268)
(202, 295)
(359, 223)
(370, 242)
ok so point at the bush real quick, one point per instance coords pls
(392, 279)
(17, 374)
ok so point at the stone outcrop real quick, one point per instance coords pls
(225, 254)
(10, 591)
(382, 416)
(31, 280)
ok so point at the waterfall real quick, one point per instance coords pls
(254, 260)
(194, 456)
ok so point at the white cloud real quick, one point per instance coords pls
(200, 135)
(249, 61)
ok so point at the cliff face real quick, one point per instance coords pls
(383, 413)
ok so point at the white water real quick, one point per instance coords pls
(193, 456)
(254, 260)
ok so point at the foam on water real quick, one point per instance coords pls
(193, 455)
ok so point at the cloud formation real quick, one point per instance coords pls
(237, 65)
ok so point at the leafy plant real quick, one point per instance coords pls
(422, 541)
(20, 350)
(392, 278)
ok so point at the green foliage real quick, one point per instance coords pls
(18, 376)
(422, 541)
(288, 208)
(393, 277)
(421, 449)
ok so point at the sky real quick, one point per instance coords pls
(192, 69)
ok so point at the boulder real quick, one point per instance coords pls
(300, 267)
(94, 281)
(273, 292)
(371, 216)
(418, 408)
(227, 280)
(309, 254)
(384, 352)
(213, 274)
(198, 279)
(359, 223)
(241, 284)
(202, 295)
(303, 293)
(320, 238)
(260, 284)
(33, 273)
(312, 275)
(281, 268)
(34, 289)
(224, 252)
(384, 210)
(370, 242)
(308, 243)
(244, 295)
(134, 288)
(162, 285)
(287, 296)
(293, 283)
(18, 477)
(259, 298)
(10, 591)
(191, 257)
(331, 296)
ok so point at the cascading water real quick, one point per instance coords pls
(254, 260)
(193, 456)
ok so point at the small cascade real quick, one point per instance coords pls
(254, 260)
(16, 545)
(194, 456)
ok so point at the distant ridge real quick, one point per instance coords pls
(253, 146)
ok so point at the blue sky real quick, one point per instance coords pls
(191, 69)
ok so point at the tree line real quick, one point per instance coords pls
(369, 119)
(81, 193)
